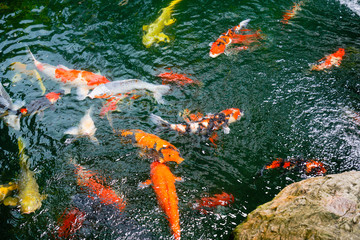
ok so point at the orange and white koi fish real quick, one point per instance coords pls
(163, 183)
(93, 185)
(115, 88)
(205, 125)
(86, 128)
(82, 80)
(309, 167)
(111, 103)
(232, 36)
(291, 13)
(206, 203)
(69, 222)
(161, 149)
(180, 79)
(330, 60)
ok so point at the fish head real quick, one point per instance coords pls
(170, 154)
(340, 53)
(216, 49)
(233, 114)
(29, 204)
(54, 96)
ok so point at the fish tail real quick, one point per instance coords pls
(159, 91)
(173, 3)
(243, 24)
(22, 155)
(159, 121)
(32, 56)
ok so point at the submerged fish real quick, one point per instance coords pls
(82, 80)
(115, 88)
(161, 149)
(93, 185)
(69, 222)
(154, 30)
(39, 105)
(232, 36)
(330, 60)
(86, 128)
(180, 79)
(21, 69)
(163, 183)
(206, 203)
(309, 167)
(291, 13)
(6, 189)
(9, 110)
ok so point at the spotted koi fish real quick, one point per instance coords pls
(69, 222)
(206, 203)
(180, 79)
(162, 150)
(232, 36)
(309, 167)
(82, 80)
(93, 185)
(163, 183)
(330, 60)
(291, 13)
(205, 125)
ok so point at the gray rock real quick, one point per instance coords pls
(316, 208)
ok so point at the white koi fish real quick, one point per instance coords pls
(8, 109)
(125, 86)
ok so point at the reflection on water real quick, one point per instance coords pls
(289, 112)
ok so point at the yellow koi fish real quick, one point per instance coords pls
(154, 31)
(6, 189)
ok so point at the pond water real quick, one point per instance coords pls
(288, 110)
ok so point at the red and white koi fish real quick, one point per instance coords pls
(206, 203)
(205, 125)
(180, 79)
(232, 36)
(330, 60)
(163, 183)
(291, 13)
(111, 103)
(115, 88)
(82, 80)
(309, 167)
(86, 128)
(163, 150)
(93, 185)
(69, 223)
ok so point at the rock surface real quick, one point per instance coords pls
(316, 208)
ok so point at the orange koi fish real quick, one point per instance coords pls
(163, 183)
(163, 150)
(83, 80)
(232, 36)
(69, 223)
(205, 203)
(111, 103)
(92, 184)
(205, 125)
(330, 60)
(309, 167)
(180, 79)
(291, 13)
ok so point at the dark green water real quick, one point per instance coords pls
(289, 112)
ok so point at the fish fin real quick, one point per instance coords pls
(67, 89)
(213, 138)
(145, 184)
(210, 44)
(94, 140)
(72, 131)
(159, 91)
(32, 56)
(243, 24)
(4, 94)
(226, 129)
(13, 121)
(157, 120)
(145, 27)
(11, 201)
(38, 77)
(82, 93)
(162, 37)
(170, 21)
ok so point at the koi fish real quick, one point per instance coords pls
(180, 79)
(39, 105)
(70, 222)
(205, 125)
(127, 86)
(330, 60)
(206, 203)
(111, 103)
(6, 189)
(86, 128)
(163, 183)
(189, 117)
(21, 69)
(82, 80)
(232, 36)
(29, 197)
(309, 167)
(154, 30)
(163, 150)
(291, 13)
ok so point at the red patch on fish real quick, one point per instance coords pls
(330, 60)
(291, 13)
(307, 166)
(181, 79)
(71, 75)
(109, 106)
(206, 203)
(53, 96)
(70, 222)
